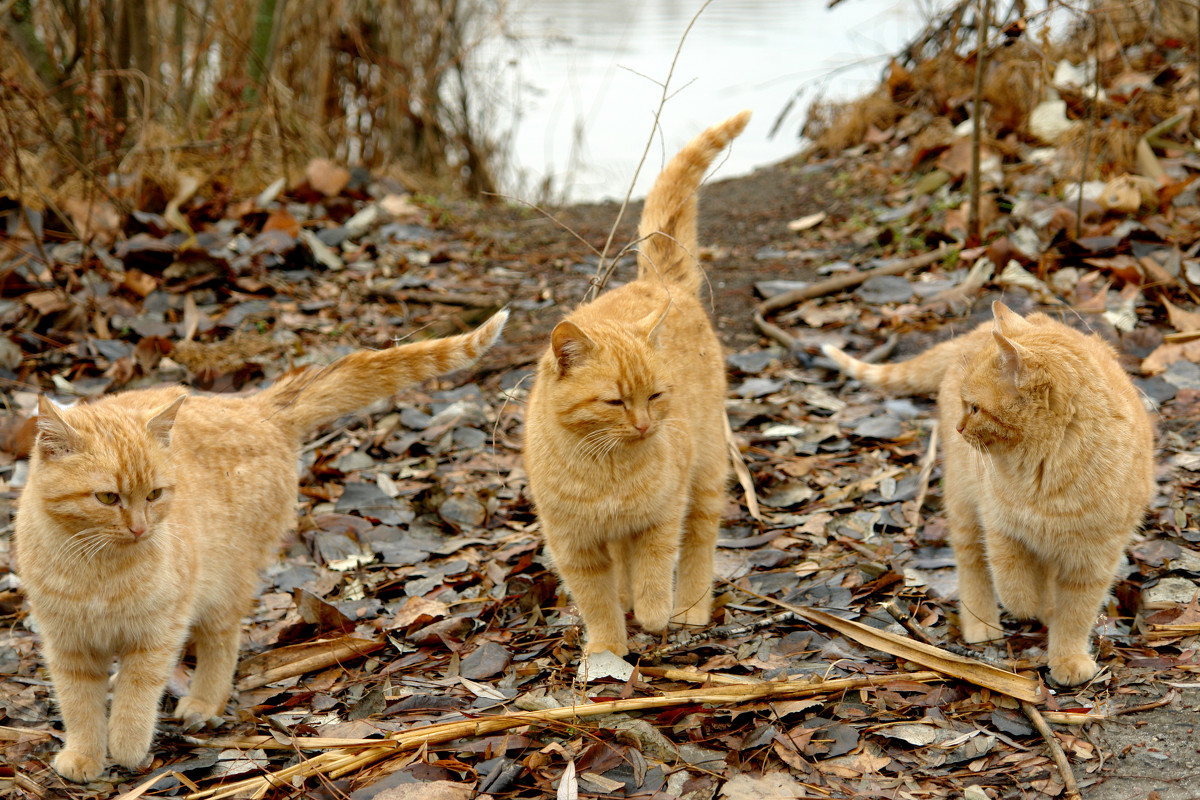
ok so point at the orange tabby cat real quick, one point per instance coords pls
(148, 515)
(624, 432)
(1048, 470)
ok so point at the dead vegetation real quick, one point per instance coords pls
(113, 106)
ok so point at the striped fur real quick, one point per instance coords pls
(146, 518)
(624, 432)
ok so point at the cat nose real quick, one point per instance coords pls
(137, 530)
(642, 425)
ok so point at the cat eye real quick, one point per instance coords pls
(656, 396)
(154, 494)
(108, 498)
(972, 408)
(615, 402)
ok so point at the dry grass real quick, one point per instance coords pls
(125, 104)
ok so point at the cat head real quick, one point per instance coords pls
(1013, 393)
(608, 382)
(103, 473)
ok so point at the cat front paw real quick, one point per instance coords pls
(1073, 669)
(78, 767)
(197, 713)
(616, 648)
(695, 616)
(131, 751)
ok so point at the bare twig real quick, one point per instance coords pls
(337, 762)
(1087, 140)
(981, 33)
(1070, 787)
(852, 279)
(604, 270)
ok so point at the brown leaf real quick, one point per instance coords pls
(1167, 354)
(281, 220)
(316, 611)
(139, 282)
(1183, 321)
(326, 177)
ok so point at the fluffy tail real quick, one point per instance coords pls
(919, 375)
(312, 396)
(667, 233)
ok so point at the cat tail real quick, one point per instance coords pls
(919, 375)
(667, 248)
(312, 396)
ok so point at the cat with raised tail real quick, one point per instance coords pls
(147, 516)
(624, 430)
(1049, 466)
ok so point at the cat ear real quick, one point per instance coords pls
(55, 436)
(1012, 361)
(161, 423)
(650, 326)
(571, 346)
(1006, 320)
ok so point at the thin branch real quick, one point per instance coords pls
(601, 273)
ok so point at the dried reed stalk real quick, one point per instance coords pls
(336, 763)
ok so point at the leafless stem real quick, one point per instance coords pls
(604, 270)
(1087, 140)
(1070, 787)
(982, 26)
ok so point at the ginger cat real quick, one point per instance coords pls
(148, 515)
(625, 427)
(1048, 470)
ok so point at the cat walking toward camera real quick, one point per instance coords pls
(146, 518)
(1049, 466)
(625, 427)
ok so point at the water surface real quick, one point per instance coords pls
(581, 80)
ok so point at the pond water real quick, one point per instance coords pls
(579, 81)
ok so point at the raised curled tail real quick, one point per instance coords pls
(309, 397)
(919, 375)
(667, 248)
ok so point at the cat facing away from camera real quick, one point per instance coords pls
(625, 427)
(1049, 466)
(147, 517)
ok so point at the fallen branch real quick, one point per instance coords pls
(335, 762)
(338, 651)
(1056, 752)
(928, 656)
(851, 279)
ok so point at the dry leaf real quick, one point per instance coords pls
(804, 223)
(1182, 321)
(326, 177)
